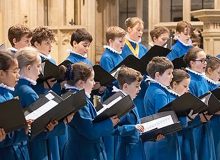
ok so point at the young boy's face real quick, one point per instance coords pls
(161, 40)
(44, 47)
(185, 36)
(118, 43)
(81, 47)
(136, 32)
(165, 78)
(25, 41)
(132, 89)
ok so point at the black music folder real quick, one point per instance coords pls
(179, 63)
(53, 107)
(11, 115)
(118, 104)
(216, 93)
(66, 63)
(184, 104)
(160, 123)
(102, 76)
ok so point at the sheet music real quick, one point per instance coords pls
(49, 96)
(158, 123)
(109, 105)
(115, 72)
(41, 110)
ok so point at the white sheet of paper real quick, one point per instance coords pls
(49, 96)
(115, 72)
(158, 123)
(41, 110)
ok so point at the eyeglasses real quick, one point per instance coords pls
(201, 60)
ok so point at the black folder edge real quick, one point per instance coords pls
(216, 93)
(152, 134)
(19, 112)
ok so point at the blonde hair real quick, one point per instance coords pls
(113, 32)
(27, 56)
(132, 21)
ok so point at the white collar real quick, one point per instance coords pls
(72, 52)
(211, 81)
(29, 79)
(128, 38)
(194, 72)
(46, 56)
(115, 89)
(7, 87)
(112, 49)
(13, 49)
(67, 86)
(185, 44)
(161, 85)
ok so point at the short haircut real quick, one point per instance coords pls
(18, 31)
(27, 56)
(128, 75)
(213, 63)
(79, 35)
(6, 60)
(132, 21)
(180, 27)
(41, 34)
(113, 32)
(158, 64)
(178, 76)
(157, 31)
(192, 55)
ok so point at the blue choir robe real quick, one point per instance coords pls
(129, 144)
(75, 57)
(202, 134)
(110, 59)
(126, 51)
(179, 49)
(14, 146)
(85, 137)
(38, 147)
(156, 97)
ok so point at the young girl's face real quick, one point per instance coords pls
(165, 78)
(199, 64)
(118, 43)
(34, 69)
(161, 40)
(81, 47)
(132, 89)
(185, 36)
(10, 76)
(89, 83)
(136, 32)
(44, 47)
(181, 87)
(214, 74)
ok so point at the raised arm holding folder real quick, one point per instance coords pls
(11, 115)
(160, 123)
(52, 107)
(118, 104)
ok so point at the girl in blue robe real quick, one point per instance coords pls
(85, 136)
(14, 146)
(156, 97)
(203, 136)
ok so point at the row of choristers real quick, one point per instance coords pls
(78, 136)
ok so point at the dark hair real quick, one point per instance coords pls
(75, 72)
(157, 31)
(18, 31)
(178, 76)
(79, 35)
(42, 33)
(6, 60)
(191, 55)
(128, 75)
(213, 63)
(158, 64)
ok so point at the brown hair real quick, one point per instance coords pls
(157, 31)
(113, 32)
(178, 76)
(75, 72)
(6, 60)
(192, 55)
(213, 63)
(79, 35)
(128, 75)
(180, 27)
(41, 34)
(18, 31)
(132, 21)
(158, 64)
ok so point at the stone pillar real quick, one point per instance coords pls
(211, 29)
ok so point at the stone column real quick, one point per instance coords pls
(211, 29)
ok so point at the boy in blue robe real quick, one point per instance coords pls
(14, 144)
(157, 96)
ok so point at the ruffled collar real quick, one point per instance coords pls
(29, 79)
(78, 54)
(211, 81)
(67, 86)
(46, 56)
(196, 73)
(112, 49)
(185, 44)
(129, 39)
(115, 89)
(151, 80)
(7, 87)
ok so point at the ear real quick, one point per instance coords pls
(191, 63)
(129, 29)
(110, 41)
(28, 67)
(74, 43)
(209, 70)
(1, 73)
(157, 75)
(125, 86)
(36, 44)
(154, 39)
(80, 83)
(14, 41)
(174, 84)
